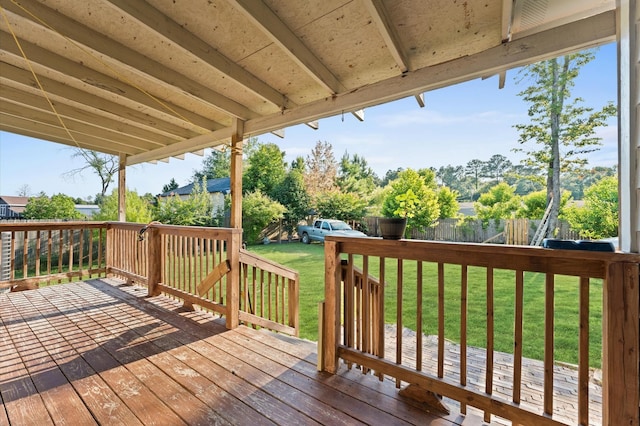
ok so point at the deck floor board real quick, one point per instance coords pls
(95, 352)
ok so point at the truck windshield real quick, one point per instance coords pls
(340, 226)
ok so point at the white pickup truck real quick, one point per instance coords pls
(323, 227)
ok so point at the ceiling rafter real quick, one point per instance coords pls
(388, 32)
(98, 42)
(264, 18)
(99, 92)
(160, 23)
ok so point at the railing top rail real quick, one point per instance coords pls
(191, 231)
(35, 226)
(535, 259)
(268, 265)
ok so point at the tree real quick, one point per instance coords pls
(340, 205)
(390, 176)
(448, 203)
(355, 175)
(24, 191)
(599, 216)
(258, 211)
(450, 175)
(265, 171)
(496, 167)
(171, 186)
(195, 210)
(411, 190)
(59, 206)
(500, 202)
(292, 194)
(104, 165)
(137, 209)
(534, 204)
(321, 172)
(562, 129)
(474, 169)
(218, 163)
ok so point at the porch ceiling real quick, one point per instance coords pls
(155, 79)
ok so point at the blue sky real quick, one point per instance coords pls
(473, 120)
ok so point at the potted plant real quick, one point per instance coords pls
(392, 227)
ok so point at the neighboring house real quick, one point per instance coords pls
(87, 210)
(217, 189)
(12, 207)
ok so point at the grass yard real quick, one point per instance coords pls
(308, 260)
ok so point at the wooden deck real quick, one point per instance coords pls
(97, 352)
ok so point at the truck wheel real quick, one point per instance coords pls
(305, 238)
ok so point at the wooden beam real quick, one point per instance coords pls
(262, 17)
(507, 18)
(120, 54)
(279, 133)
(388, 32)
(236, 173)
(122, 188)
(420, 99)
(315, 125)
(359, 114)
(213, 277)
(160, 23)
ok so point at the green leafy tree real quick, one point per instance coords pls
(500, 202)
(577, 180)
(599, 216)
(474, 169)
(258, 211)
(355, 175)
(292, 194)
(450, 175)
(340, 205)
(410, 196)
(265, 171)
(534, 204)
(105, 166)
(217, 164)
(195, 210)
(496, 167)
(448, 203)
(391, 175)
(138, 209)
(562, 129)
(59, 206)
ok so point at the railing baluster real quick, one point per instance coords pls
(463, 331)
(548, 342)
(399, 326)
(440, 320)
(381, 321)
(583, 354)
(419, 298)
(366, 307)
(517, 344)
(25, 254)
(490, 340)
(38, 253)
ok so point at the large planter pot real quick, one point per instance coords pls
(392, 228)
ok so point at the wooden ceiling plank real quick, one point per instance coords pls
(105, 86)
(209, 140)
(507, 20)
(162, 24)
(140, 64)
(579, 35)
(62, 90)
(264, 18)
(38, 130)
(388, 32)
(76, 127)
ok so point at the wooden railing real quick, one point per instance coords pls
(269, 294)
(207, 267)
(50, 252)
(359, 317)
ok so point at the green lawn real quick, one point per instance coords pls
(308, 260)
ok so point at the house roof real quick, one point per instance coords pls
(14, 201)
(220, 185)
(154, 79)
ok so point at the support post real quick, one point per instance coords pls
(236, 173)
(331, 316)
(122, 188)
(620, 345)
(233, 279)
(628, 17)
(155, 260)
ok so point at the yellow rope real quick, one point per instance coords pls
(105, 64)
(35, 76)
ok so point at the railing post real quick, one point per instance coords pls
(233, 279)
(620, 317)
(155, 260)
(331, 317)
